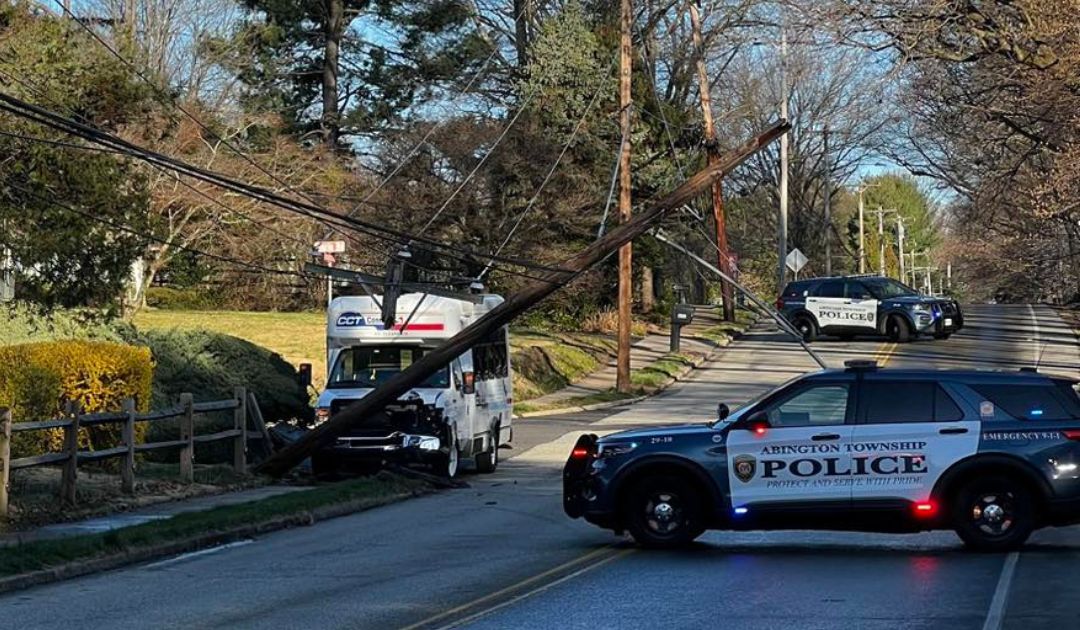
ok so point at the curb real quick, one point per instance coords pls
(126, 558)
(714, 348)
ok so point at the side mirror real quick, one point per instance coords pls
(304, 375)
(757, 422)
(468, 380)
(722, 411)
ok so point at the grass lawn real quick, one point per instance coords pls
(44, 554)
(297, 337)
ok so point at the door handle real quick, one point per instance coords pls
(953, 431)
(824, 437)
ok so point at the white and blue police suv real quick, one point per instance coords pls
(850, 306)
(992, 455)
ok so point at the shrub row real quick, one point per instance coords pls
(37, 379)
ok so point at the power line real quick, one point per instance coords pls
(566, 147)
(401, 239)
(50, 119)
(431, 131)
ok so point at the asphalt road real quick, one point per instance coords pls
(502, 554)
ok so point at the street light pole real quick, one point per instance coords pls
(828, 201)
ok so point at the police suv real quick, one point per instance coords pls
(866, 305)
(992, 455)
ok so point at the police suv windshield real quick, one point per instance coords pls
(370, 366)
(885, 288)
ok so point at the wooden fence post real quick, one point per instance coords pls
(127, 465)
(240, 423)
(187, 433)
(5, 460)
(71, 447)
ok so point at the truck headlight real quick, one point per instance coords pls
(615, 449)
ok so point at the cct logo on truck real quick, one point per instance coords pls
(349, 320)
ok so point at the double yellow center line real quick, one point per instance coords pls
(885, 353)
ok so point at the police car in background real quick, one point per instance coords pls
(847, 306)
(992, 455)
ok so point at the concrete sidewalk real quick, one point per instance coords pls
(145, 514)
(646, 351)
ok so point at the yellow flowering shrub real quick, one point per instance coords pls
(36, 380)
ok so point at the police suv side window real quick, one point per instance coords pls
(1027, 402)
(831, 289)
(887, 402)
(820, 405)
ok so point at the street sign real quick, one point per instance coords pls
(796, 260)
(330, 247)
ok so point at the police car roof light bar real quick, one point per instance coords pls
(861, 364)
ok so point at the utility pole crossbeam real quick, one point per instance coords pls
(356, 413)
(622, 360)
(722, 254)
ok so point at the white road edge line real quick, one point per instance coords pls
(996, 615)
(536, 591)
(196, 554)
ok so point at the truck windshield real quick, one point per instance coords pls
(884, 288)
(370, 366)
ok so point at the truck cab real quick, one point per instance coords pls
(461, 412)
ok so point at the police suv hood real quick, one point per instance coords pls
(661, 431)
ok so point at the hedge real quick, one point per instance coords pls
(37, 378)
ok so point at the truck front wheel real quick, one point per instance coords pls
(447, 463)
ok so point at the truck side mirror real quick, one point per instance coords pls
(303, 375)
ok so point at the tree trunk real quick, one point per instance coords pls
(521, 31)
(647, 292)
(334, 30)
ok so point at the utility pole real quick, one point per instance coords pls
(881, 239)
(828, 202)
(622, 362)
(722, 254)
(862, 235)
(900, 243)
(782, 230)
(948, 276)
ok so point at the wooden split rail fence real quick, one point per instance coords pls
(242, 404)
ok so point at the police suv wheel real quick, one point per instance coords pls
(806, 328)
(487, 462)
(663, 512)
(994, 514)
(898, 329)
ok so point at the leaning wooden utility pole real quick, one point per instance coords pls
(626, 267)
(355, 414)
(711, 146)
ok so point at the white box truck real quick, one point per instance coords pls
(462, 411)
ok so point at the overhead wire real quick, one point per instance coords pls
(566, 147)
(50, 119)
(390, 235)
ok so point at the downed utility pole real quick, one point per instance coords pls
(529, 296)
(780, 321)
